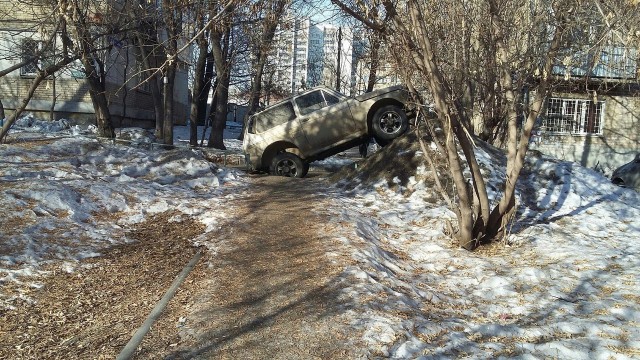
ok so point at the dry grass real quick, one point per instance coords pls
(92, 312)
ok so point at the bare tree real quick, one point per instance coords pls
(222, 48)
(200, 90)
(270, 13)
(82, 27)
(374, 55)
(144, 36)
(449, 50)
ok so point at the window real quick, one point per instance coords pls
(315, 100)
(142, 78)
(331, 99)
(573, 116)
(617, 62)
(29, 51)
(310, 102)
(277, 115)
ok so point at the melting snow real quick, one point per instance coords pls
(563, 284)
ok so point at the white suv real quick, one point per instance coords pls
(284, 138)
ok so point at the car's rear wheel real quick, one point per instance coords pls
(388, 123)
(288, 164)
(305, 168)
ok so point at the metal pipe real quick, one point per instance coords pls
(129, 350)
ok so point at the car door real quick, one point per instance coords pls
(325, 118)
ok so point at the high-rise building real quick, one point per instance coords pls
(337, 57)
(308, 55)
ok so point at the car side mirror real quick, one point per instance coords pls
(637, 159)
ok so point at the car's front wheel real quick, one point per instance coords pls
(389, 122)
(288, 164)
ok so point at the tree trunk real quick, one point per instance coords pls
(54, 97)
(198, 87)
(208, 84)
(256, 86)
(94, 68)
(338, 62)
(264, 47)
(220, 48)
(518, 149)
(219, 114)
(172, 22)
(453, 126)
(375, 62)
(156, 94)
(95, 78)
(168, 81)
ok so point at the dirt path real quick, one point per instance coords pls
(272, 291)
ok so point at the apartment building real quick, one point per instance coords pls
(308, 55)
(66, 94)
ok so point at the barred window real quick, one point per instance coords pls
(573, 116)
(142, 77)
(29, 51)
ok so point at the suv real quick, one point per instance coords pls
(284, 138)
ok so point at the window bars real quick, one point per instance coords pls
(573, 116)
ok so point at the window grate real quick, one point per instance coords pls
(573, 116)
(29, 51)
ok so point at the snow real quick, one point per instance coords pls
(59, 195)
(562, 284)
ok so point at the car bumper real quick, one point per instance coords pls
(253, 162)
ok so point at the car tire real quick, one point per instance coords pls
(388, 123)
(305, 168)
(289, 165)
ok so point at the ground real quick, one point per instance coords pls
(355, 264)
(271, 283)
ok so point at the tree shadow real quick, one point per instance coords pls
(271, 278)
(550, 204)
(466, 322)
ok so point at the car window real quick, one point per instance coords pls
(310, 102)
(330, 98)
(277, 115)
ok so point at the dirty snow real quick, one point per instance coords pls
(562, 284)
(68, 196)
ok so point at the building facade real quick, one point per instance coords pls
(595, 128)
(308, 55)
(593, 114)
(66, 94)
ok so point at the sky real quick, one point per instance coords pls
(563, 286)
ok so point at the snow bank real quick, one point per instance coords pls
(66, 196)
